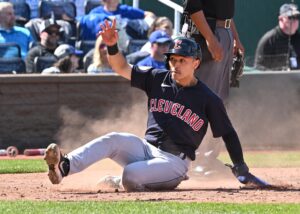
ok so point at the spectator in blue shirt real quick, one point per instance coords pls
(9, 33)
(113, 7)
(89, 24)
(160, 42)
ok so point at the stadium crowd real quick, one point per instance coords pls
(34, 33)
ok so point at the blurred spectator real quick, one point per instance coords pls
(79, 7)
(113, 7)
(160, 42)
(279, 48)
(68, 60)
(160, 23)
(89, 24)
(11, 33)
(49, 34)
(100, 62)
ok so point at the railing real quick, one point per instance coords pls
(177, 11)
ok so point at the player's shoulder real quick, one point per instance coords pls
(207, 92)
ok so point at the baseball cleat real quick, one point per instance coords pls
(110, 182)
(58, 164)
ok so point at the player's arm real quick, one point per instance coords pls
(213, 44)
(116, 59)
(240, 168)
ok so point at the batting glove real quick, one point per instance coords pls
(241, 172)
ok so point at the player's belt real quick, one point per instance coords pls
(182, 155)
(223, 23)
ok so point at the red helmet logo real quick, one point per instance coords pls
(177, 44)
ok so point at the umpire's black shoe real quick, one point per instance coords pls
(58, 164)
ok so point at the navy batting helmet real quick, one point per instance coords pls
(185, 47)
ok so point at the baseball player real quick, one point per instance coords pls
(179, 110)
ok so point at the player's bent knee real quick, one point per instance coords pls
(131, 182)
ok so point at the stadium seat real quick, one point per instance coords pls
(10, 49)
(58, 7)
(12, 65)
(85, 45)
(88, 59)
(91, 4)
(42, 62)
(22, 12)
(135, 57)
(135, 45)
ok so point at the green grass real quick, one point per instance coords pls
(142, 207)
(268, 159)
(22, 166)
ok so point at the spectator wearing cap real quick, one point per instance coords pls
(68, 60)
(279, 48)
(9, 33)
(160, 23)
(49, 34)
(160, 42)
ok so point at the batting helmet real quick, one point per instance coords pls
(185, 47)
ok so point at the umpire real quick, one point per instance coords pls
(210, 23)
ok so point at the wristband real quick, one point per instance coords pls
(113, 50)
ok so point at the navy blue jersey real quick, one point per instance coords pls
(179, 114)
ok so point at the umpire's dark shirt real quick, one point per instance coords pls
(219, 9)
(273, 51)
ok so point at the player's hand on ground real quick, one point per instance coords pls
(109, 32)
(216, 50)
(243, 175)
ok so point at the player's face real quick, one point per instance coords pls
(183, 67)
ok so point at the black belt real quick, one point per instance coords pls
(224, 23)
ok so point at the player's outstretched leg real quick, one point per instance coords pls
(58, 164)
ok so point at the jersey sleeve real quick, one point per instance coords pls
(192, 6)
(217, 116)
(142, 78)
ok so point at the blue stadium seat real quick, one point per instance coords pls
(58, 7)
(42, 62)
(22, 12)
(135, 45)
(88, 59)
(12, 65)
(85, 45)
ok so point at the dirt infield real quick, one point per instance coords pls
(82, 186)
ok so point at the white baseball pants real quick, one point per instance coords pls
(146, 167)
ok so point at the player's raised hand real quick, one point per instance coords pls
(109, 33)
